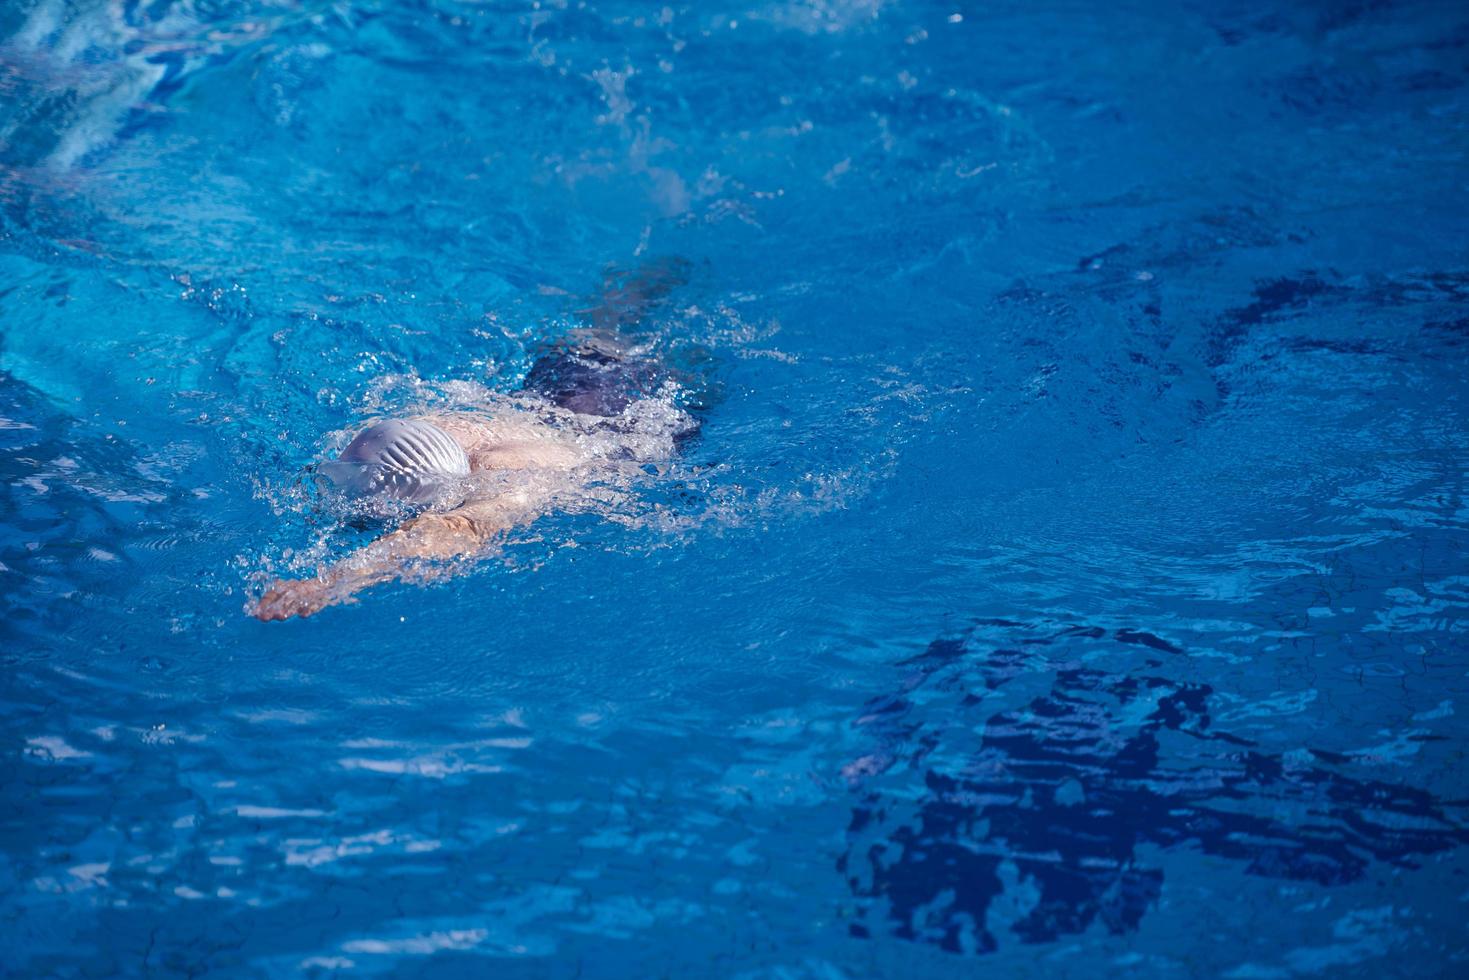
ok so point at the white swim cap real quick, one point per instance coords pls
(407, 459)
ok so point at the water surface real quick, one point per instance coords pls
(1069, 578)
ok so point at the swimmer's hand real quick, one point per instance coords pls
(293, 597)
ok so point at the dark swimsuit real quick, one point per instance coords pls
(602, 379)
(592, 379)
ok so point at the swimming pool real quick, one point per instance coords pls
(1069, 577)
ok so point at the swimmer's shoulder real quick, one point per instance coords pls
(469, 429)
(509, 439)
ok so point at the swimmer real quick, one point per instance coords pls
(482, 473)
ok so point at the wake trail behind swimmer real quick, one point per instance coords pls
(505, 465)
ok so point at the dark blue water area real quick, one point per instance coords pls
(1069, 578)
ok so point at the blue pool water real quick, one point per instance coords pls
(1069, 579)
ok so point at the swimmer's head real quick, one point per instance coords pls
(405, 459)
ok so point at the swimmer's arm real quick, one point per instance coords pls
(458, 534)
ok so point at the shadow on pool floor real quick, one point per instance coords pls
(1062, 792)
